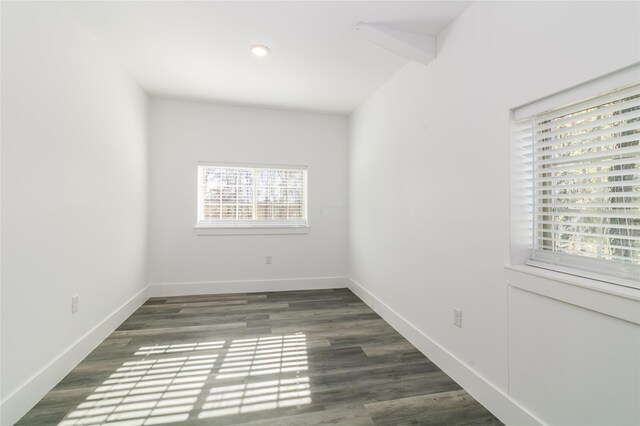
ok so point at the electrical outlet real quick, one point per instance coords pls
(457, 317)
(75, 303)
(267, 260)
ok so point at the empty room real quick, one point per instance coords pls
(320, 212)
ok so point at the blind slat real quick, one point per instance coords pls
(594, 235)
(606, 165)
(589, 195)
(632, 152)
(635, 250)
(594, 123)
(541, 143)
(633, 172)
(620, 266)
(599, 143)
(592, 224)
(591, 185)
(595, 214)
(622, 205)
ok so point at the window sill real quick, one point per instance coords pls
(252, 230)
(609, 299)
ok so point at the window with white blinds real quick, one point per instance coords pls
(251, 196)
(584, 161)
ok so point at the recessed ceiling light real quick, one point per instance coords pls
(260, 50)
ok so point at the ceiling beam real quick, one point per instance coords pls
(413, 46)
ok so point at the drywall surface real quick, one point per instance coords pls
(74, 193)
(183, 133)
(573, 365)
(429, 203)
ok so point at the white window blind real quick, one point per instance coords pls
(251, 196)
(584, 161)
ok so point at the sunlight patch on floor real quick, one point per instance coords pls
(146, 392)
(246, 398)
(265, 355)
(152, 391)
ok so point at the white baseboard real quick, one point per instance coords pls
(249, 286)
(18, 403)
(496, 401)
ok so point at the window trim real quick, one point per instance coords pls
(521, 218)
(253, 227)
(603, 297)
(579, 92)
(252, 230)
(584, 273)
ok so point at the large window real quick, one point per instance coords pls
(584, 163)
(250, 196)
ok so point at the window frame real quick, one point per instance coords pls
(252, 226)
(522, 212)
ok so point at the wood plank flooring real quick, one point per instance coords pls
(286, 358)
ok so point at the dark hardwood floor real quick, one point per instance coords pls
(286, 358)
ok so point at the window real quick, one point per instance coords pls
(244, 196)
(584, 165)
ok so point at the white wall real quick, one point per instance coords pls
(74, 195)
(183, 133)
(435, 141)
(572, 365)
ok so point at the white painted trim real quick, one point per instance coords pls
(495, 400)
(236, 165)
(578, 281)
(409, 45)
(588, 89)
(251, 230)
(605, 298)
(18, 403)
(257, 226)
(609, 283)
(246, 286)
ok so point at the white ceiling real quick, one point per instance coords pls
(200, 50)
